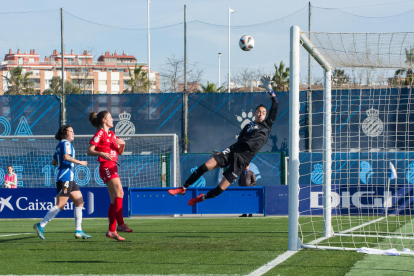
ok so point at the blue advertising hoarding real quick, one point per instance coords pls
(346, 200)
(29, 115)
(235, 200)
(35, 202)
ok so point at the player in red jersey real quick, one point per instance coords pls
(107, 146)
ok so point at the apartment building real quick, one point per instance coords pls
(108, 75)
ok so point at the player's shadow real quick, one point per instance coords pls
(18, 238)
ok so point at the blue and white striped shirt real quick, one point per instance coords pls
(65, 169)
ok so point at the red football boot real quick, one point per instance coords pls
(196, 200)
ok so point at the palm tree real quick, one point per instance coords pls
(138, 81)
(20, 83)
(409, 59)
(339, 77)
(281, 78)
(55, 87)
(210, 88)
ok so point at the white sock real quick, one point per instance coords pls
(78, 218)
(50, 215)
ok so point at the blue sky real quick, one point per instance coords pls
(267, 21)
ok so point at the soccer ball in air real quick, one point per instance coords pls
(246, 43)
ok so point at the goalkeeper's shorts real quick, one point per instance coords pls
(108, 171)
(233, 161)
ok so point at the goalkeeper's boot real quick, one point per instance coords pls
(196, 200)
(178, 191)
(39, 230)
(81, 235)
(124, 228)
(114, 235)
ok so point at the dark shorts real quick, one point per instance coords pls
(64, 188)
(233, 161)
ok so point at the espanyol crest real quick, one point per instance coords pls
(317, 174)
(410, 174)
(372, 126)
(125, 126)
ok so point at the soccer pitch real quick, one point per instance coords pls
(169, 246)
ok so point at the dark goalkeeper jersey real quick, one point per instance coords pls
(255, 135)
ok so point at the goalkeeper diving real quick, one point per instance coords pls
(236, 157)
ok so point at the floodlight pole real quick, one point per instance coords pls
(219, 54)
(230, 11)
(148, 40)
(185, 92)
(62, 48)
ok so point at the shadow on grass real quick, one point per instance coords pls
(18, 238)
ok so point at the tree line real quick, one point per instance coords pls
(19, 81)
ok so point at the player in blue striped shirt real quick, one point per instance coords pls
(64, 159)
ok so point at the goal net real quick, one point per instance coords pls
(148, 161)
(348, 126)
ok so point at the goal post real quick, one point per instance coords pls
(358, 122)
(151, 160)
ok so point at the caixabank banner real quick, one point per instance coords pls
(35, 202)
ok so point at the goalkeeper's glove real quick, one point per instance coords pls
(267, 84)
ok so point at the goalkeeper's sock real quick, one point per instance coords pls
(112, 218)
(78, 218)
(118, 210)
(195, 176)
(51, 214)
(213, 193)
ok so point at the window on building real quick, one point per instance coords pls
(31, 60)
(102, 82)
(19, 60)
(114, 82)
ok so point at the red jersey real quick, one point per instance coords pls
(105, 142)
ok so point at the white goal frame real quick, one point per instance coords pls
(293, 208)
(300, 39)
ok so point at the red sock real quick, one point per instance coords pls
(112, 218)
(118, 210)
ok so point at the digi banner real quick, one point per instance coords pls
(35, 202)
(346, 199)
(29, 115)
(265, 166)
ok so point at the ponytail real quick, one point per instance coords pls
(96, 119)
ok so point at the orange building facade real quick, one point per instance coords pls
(108, 75)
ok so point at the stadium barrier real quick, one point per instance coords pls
(235, 200)
(35, 202)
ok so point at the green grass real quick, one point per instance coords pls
(163, 246)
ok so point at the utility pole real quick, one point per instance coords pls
(148, 41)
(185, 93)
(62, 48)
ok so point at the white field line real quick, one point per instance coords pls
(280, 259)
(1, 236)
